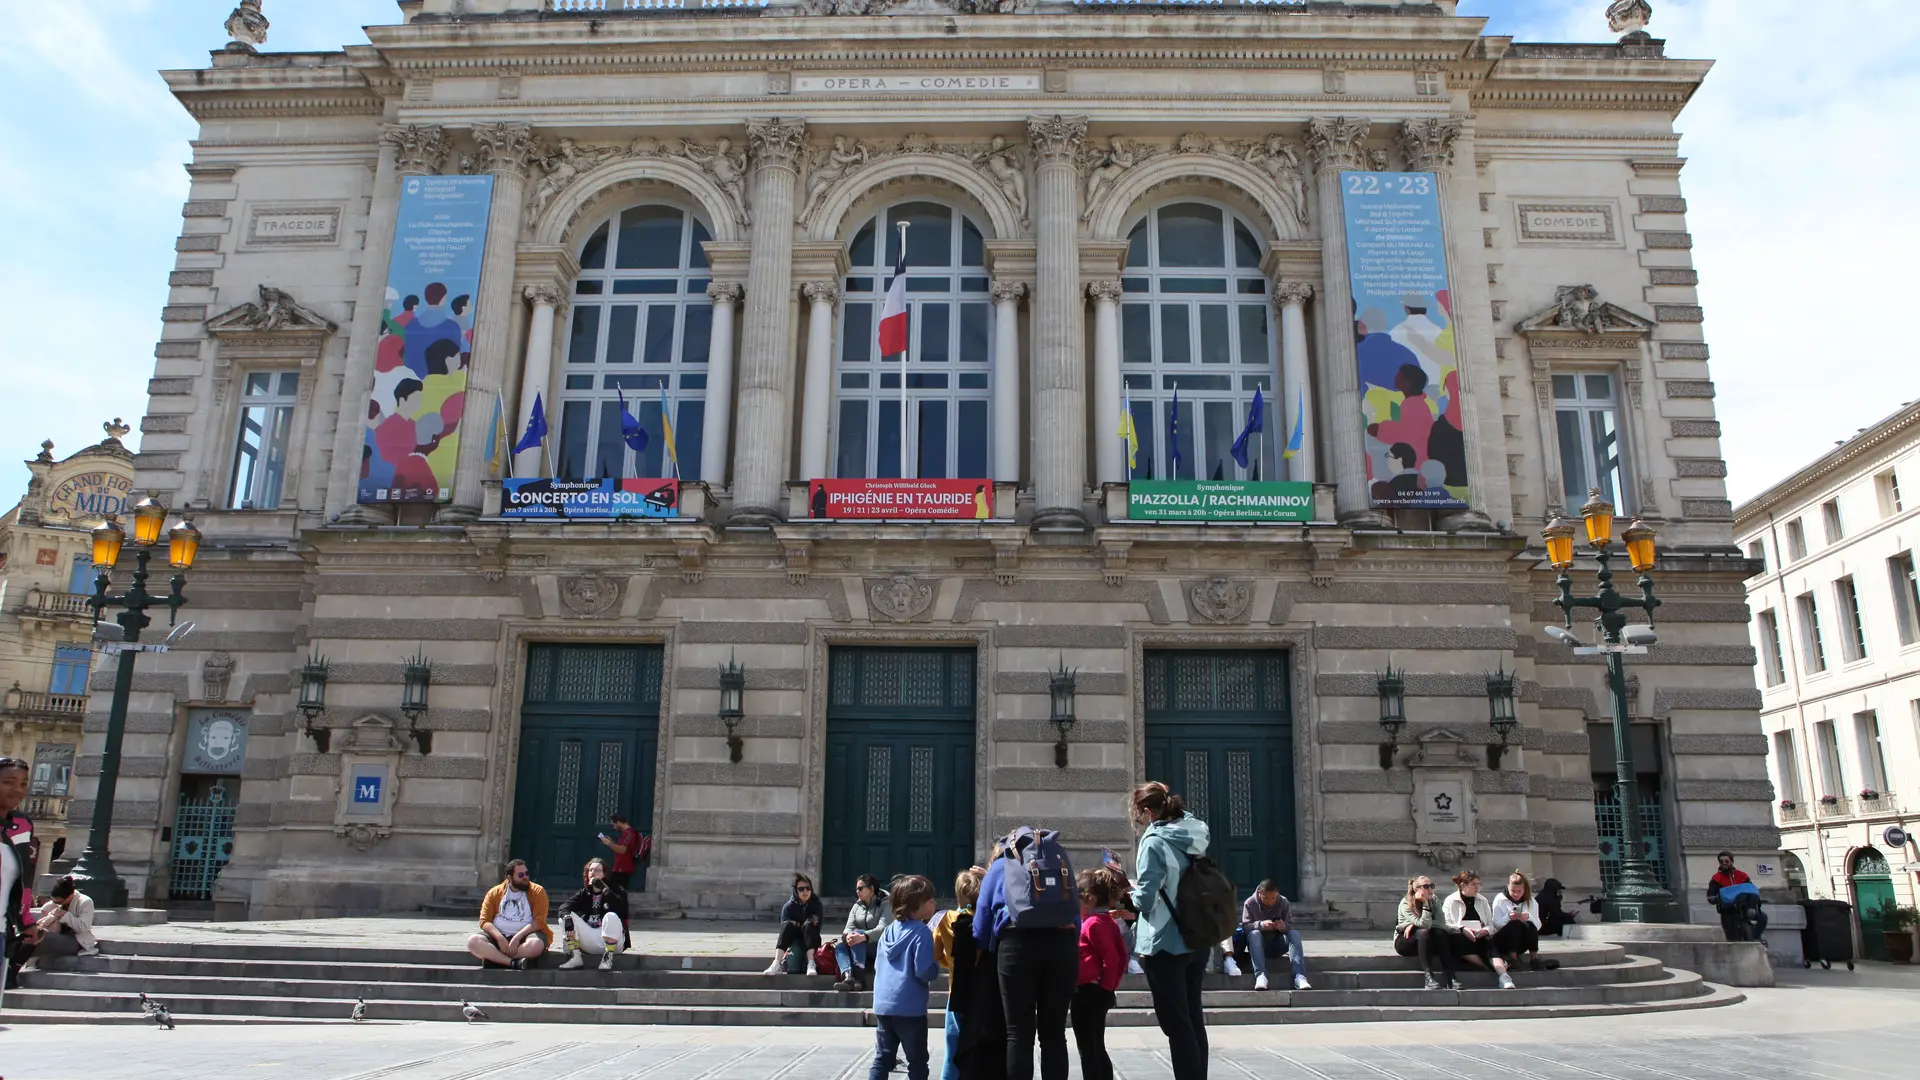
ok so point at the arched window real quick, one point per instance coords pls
(949, 316)
(641, 321)
(1196, 319)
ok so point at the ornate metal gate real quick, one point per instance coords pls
(202, 844)
(1606, 819)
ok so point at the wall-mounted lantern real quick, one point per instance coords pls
(416, 679)
(733, 706)
(1393, 711)
(313, 699)
(1500, 713)
(1060, 692)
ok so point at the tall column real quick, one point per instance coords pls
(1059, 374)
(717, 410)
(821, 297)
(1110, 455)
(404, 151)
(766, 366)
(537, 373)
(1006, 380)
(1295, 407)
(1428, 146)
(508, 150)
(1335, 144)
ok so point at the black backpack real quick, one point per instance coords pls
(1205, 908)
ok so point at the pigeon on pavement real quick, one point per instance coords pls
(156, 1012)
(359, 1009)
(471, 1012)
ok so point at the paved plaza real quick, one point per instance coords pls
(1815, 1026)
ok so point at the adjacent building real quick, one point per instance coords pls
(530, 370)
(46, 625)
(1836, 621)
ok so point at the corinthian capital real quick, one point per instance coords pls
(821, 292)
(418, 150)
(1427, 144)
(725, 292)
(1057, 139)
(505, 149)
(776, 142)
(1108, 289)
(550, 295)
(1004, 289)
(1338, 142)
(1288, 293)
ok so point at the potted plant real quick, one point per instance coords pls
(1829, 800)
(1788, 804)
(1868, 795)
(1896, 922)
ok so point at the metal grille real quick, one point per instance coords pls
(1606, 819)
(566, 790)
(902, 678)
(1156, 685)
(1870, 863)
(923, 679)
(1195, 794)
(611, 758)
(1252, 684)
(879, 787)
(1240, 793)
(1239, 689)
(202, 844)
(594, 675)
(920, 790)
(1193, 684)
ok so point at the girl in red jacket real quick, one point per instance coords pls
(1103, 960)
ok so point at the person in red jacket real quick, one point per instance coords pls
(1741, 917)
(1103, 960)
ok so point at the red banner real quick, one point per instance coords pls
(924, 500)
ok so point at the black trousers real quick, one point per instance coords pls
(1038, 970)
(1430, 946)
(1175, 981)
(1091, 1004)
(1517, 938)
(806, 935)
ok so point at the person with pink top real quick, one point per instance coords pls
(1103, 960)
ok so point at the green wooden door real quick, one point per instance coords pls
(900, 766)
(1872, 887)
(1220, 734)
(589, 737)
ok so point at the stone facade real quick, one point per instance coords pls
(781, 140)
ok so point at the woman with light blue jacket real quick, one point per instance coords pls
(1174, 971)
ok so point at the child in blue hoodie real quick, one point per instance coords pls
(903, 972)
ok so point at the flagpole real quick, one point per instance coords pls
(906, 354)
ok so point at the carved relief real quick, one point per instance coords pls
(1337, 142)
(1221, 600)
(248, 28)
(1291, 292)
(1427, 144)
(727, 168)
(215, 673)
(418, 149)
(590, 597)
(1579, 309)
(776, 142)
(275, 312)
(1056, 139)
(828, 167)
(1279, 160)
(726, 292)
(362, 835)
(1107, 289)
(1103, 166)
(901, 598)
(565, 162)
(1001, 164)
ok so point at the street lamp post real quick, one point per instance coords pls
(93, 873)
(1637, 895)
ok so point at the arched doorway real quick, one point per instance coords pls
(1795, 871)
(1872, 888)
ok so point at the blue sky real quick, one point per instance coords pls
(1794, 117)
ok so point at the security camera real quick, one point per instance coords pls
(1562, 635)
(1640, 635)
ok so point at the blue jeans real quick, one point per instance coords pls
(892, 1034)
(952, 1071)
(1270, 942)
(851, 956)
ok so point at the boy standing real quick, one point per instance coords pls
(904, 969)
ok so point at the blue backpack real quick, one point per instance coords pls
(1040, 891)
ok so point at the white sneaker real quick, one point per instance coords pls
(94, 951)
(772, 969)
(813, 967)
(1300, 983)
(1506, 982)
(1260, 981)
(1229, 967)
(606, 961)
(1133, 966)
(575, 961)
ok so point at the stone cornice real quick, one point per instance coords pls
(1891, 434)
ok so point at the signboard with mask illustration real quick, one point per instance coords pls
(216, 742)
(420, 362)
(1404, 335)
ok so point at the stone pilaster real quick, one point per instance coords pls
(1334, 144)
(404, 151)
(817, 396)
(717, 408)
(1110, 454)
(766, 366)
(508, 151)
(1059, 375)
(1294, 409)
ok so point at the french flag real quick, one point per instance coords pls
(893, 314)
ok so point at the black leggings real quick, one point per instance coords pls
(1091, 1003)
(1430, 946)
(1517, 938)
(806, 935)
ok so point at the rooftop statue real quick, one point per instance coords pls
(1629, 16)
(247, 27)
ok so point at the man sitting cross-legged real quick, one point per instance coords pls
(513, 922)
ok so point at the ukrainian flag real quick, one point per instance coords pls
(1129, 432)
(666, 431)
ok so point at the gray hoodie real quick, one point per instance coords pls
(870, 918)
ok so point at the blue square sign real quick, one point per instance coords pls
(366, 790)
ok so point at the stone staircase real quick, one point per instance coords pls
(464, 903)
(221, 982)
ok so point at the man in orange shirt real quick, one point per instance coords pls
(513, 922)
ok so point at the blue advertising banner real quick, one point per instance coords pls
(426, 340)
(589, 500)
(1403, 328)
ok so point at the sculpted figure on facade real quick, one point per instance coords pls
(274, 311)
(901, 598)
(1279, 160)
(1001, 162)
(1379, 160)
(563, 164)
(728, 169)
(847, 7)
(830, 166)
(1629, 16)
(1104, 166)
(247, 27)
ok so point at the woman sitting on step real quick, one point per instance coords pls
(800, 919)
(1468, 915)
(1516, 924)
(854, 948)
(1417, 933)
